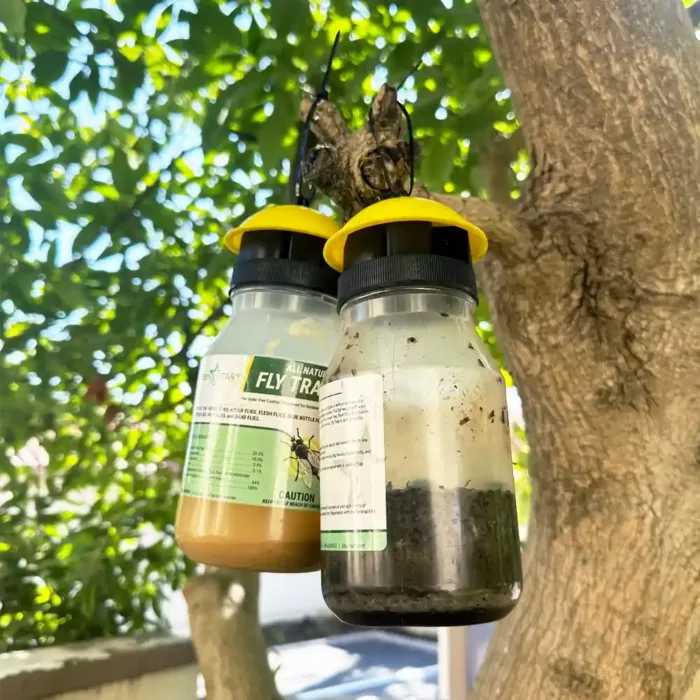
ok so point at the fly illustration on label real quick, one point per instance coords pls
(305, 458)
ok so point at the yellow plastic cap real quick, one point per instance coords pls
(283, 217)
(403, 209)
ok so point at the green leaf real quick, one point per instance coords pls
(46, 192)
(271, 135)
(477, 180)
(130, 75)
(89, 83)
(122, 173)
(49, 66)
(290, 16)
(87, 236)
(13, 14)
(438, 160)
(234, 97)
(255, 38)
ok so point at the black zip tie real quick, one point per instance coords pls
(411, 145)
(416, 67)
(321, 94)
(411, 150)
(323, 90)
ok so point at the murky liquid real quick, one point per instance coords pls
(452, 558)
(218, 533)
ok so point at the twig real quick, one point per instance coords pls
(190, 335)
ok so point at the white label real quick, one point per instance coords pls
(254, 433)
(353, 482)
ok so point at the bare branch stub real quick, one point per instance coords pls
(327, 123)
(353, 167)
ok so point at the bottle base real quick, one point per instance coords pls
(421, 610)
(281, 558)
(235, 536)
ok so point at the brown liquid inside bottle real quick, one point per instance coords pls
(218, 533)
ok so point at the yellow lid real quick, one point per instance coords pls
(284, 217)
(403, 209)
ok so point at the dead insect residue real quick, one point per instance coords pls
(412, 340)
(464, 420)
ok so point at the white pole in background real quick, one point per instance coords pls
(452, 663)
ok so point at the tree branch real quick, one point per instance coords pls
(230, 647)
(359, 168)
(495, 160)
(509, 236)
(326, 123)
(193, 332)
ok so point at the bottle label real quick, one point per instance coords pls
(254, 438)
(353, 483)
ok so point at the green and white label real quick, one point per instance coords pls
(353, 484)
(254, 438)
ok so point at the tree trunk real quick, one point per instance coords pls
(600, 322)
(593, 285)
(228, 641)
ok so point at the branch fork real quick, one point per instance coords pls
(358, 168)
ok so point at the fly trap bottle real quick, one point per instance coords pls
(418, 515)
(250, 492)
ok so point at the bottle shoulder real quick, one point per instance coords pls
(274, 332)
(412, 341)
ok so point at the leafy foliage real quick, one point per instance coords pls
(133, 134)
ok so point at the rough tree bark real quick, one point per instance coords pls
(230, 647)
(593, 282)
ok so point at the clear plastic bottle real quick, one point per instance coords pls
(250, 486)
(418, 515)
